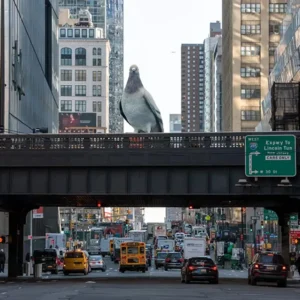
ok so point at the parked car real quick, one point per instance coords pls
(268, 267)
(49, 260)
(200, 268)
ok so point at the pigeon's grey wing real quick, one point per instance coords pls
(153, 107)
(122, 113)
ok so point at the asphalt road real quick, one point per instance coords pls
(113, 271)
(143, 289)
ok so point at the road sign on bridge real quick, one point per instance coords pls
(270, 156)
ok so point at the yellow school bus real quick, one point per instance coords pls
(133, 257)
(111, 247)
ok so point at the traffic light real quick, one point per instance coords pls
(262, 224)
(98, 204)
(2, 239)
(251, 227)
(190, 207)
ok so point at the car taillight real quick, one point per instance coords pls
(191, 268)
(284, 268)
(256, 266)
(214, 268)
(181, 260)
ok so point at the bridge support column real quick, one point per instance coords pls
(283, 219)
(16, 244)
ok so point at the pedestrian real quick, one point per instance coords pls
(27, 258)
(2, 260)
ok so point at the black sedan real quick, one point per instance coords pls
(200, 269)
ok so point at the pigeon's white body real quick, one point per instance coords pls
(138, 114)
(138, 107)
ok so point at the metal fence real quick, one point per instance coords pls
(129, 141)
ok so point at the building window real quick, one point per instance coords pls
(97, 51)
(66, 90)
(96, 90)
(250, 92)
(66, 105)
(274, 28)
(91, 33)
(247, 129)
(77, 32)
(97, 106)
(84, 33)
(80, 105)
(99, 121)
(70, 33)
(66, 75)
(80, 57)
(249, 71)
(66, 57)
(278, 8)
(250, 8)
(250, 28)
(250, 114)
(80, 75)
(80, 90)
(96, 61)
(63, 33)
(250, 50)
(97, 75)
(272, 49)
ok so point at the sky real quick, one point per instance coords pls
(153, 33)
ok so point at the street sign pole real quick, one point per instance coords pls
(270, 156)
(254, 231)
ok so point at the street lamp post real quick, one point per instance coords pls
(254, 231)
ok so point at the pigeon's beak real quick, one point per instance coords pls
(133, 69)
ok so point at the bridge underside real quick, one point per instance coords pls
(141, 186)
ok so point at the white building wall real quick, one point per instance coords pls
(88, 44)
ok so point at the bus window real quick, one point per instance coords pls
(123, 250)
(132, 250)
(142, 250)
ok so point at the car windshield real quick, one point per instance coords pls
(96, 258)
(162, 255)
(45, 253)
(271, 259)
(174, 255)
(74, 255)
(200, 261)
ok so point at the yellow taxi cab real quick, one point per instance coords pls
(76, 262)
(133, 257)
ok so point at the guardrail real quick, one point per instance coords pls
(52, 142)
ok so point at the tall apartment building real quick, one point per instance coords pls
(209, 46)
(217, 105)
(192, 88)
(29, 82)
(251, 33)
(108, 15)
(84, 77)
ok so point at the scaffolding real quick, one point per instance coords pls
(285, 106)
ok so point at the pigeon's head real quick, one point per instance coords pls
(133, 70)
(134, 81)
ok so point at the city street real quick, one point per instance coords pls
(147, 290)
(113, 272)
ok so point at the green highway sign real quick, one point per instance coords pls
(270, 215)
(270, 156)
(293, 217)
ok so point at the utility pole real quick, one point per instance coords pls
(254, 231)
(242, 221)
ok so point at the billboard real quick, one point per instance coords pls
(38, 213)
(70, 122)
